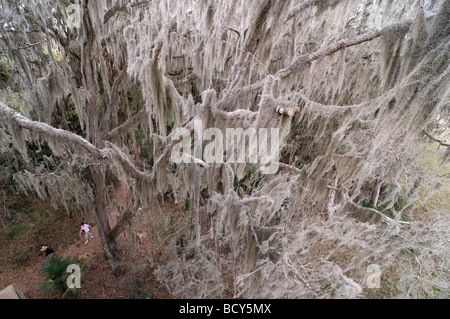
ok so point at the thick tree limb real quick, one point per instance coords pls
(302, 6)
(52, 133)
(303, 60)
(124, 220)
(48, 131)
(160, 163)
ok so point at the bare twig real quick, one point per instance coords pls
(435, 139)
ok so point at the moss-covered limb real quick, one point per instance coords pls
(231, 98)
(117, 156)
(49, 132)
(302, 6)
(62, 136)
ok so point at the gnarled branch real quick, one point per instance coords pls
(48, 131)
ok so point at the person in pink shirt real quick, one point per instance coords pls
(86, 229)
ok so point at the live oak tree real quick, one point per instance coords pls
(352, 86)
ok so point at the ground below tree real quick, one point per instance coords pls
(35, 223)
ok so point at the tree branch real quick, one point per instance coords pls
(161, 162)
(125, 218)
(131, 122)
(308, 58)
(435, 139)
(118, 8)
(302, 6)
(49, 131)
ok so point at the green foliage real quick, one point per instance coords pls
(140, 283)
(5, 68)
(146, 146)
(186, 203)
(15, 102)
(13, 231)
(383, 188)
(366, 203)
(196, 94)
(400, 203)
(55, 270)
(74, 122)
(37, 152)
(249, 182)
(146, 295)
(55, 54)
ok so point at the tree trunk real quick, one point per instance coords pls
(100, 198)
(101, 231)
